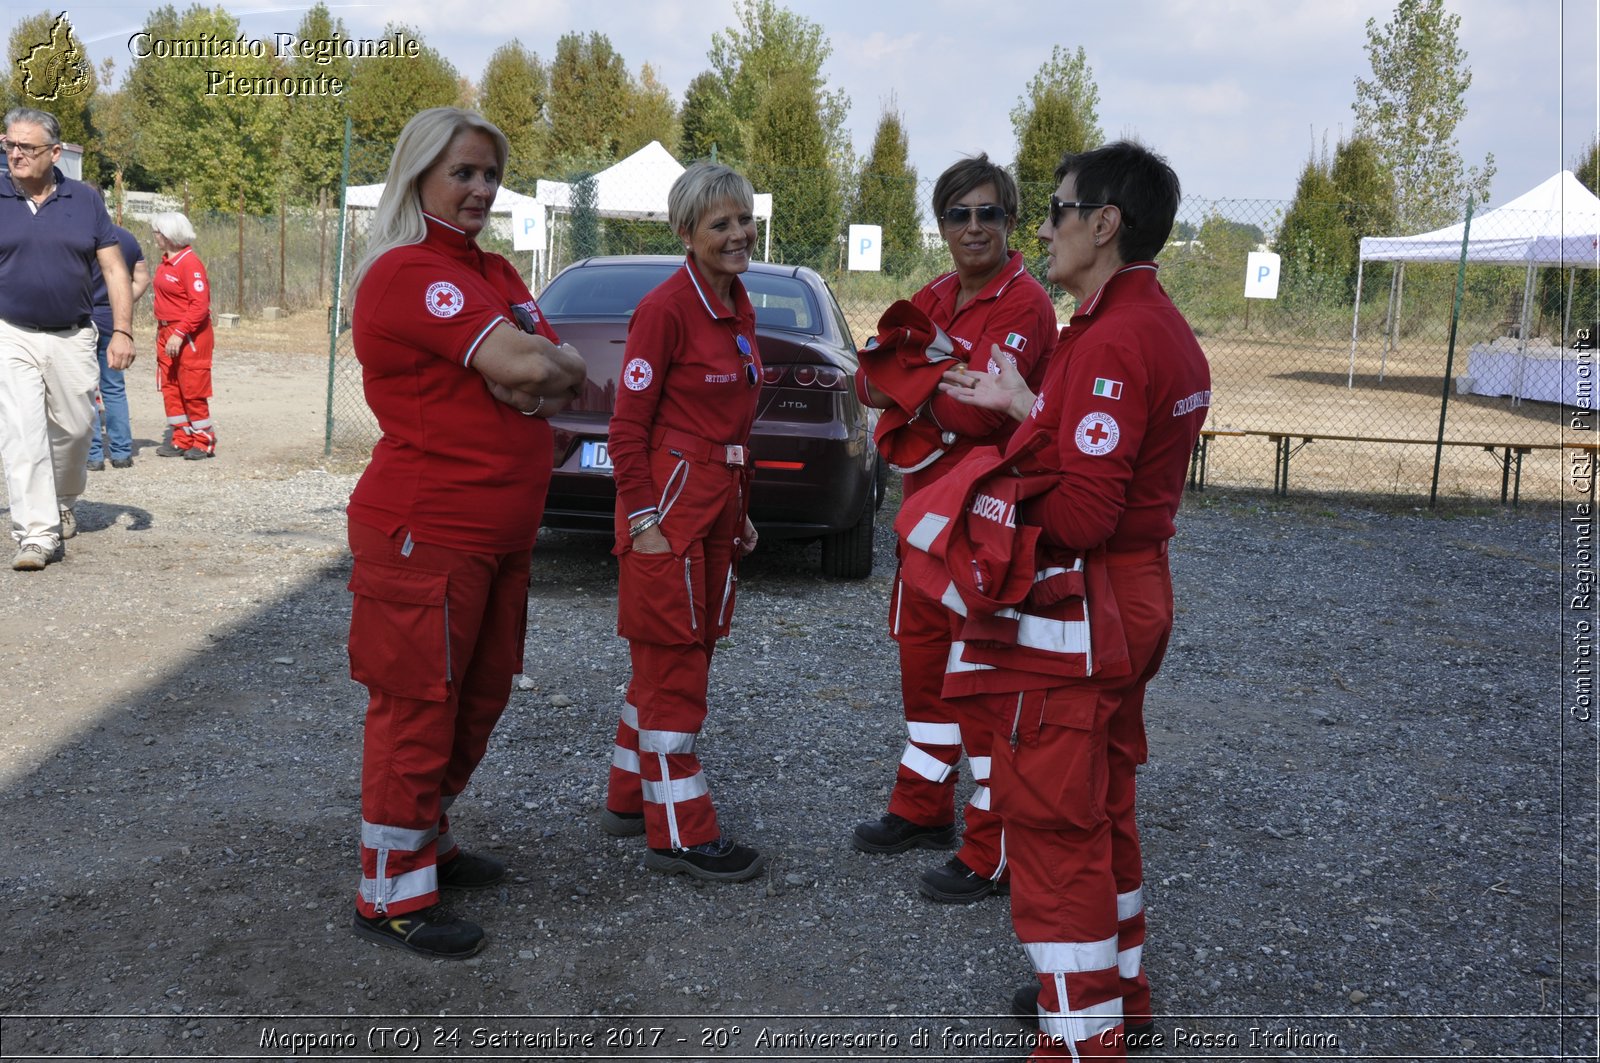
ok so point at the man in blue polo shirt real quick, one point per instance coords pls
(52, 230)
(117, 443)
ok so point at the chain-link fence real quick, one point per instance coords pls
(1308, 393)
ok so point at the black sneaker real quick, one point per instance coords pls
(718, 861)
(196, 454)
(621, 824)
(896, 834)
(167, 450)
(122, 463)
(471, 871)
(956, 883)
(1025, 1006)
(97, 466)
(431, 932)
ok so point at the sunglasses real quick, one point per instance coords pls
(1058, 207)
(747, 356)
(990, 216)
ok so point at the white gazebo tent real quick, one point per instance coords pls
(1556, 224)
(635, 188)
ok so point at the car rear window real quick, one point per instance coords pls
(613, 290)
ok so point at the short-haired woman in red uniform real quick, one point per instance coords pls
(679, 433)
(461, 370)
(184, 340)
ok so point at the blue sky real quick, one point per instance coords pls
(1234, 92)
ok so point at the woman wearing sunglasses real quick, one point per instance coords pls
(988, 303)
(679, 432)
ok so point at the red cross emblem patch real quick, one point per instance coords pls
(444, 299)
(637, 374)
(1097, 434)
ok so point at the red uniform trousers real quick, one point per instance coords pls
(1064, 788)
(436, 635)
(185, 383)
(936, 729)
(672, 608)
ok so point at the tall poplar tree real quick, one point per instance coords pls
(514, 92)
(1410, 109)
(313, 127)
(788, 158)
(384, 95)
(708, 123)
(589, 89)
(648, 114)
(1056, 114)
(887, 196)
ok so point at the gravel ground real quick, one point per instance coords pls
(1370, 821)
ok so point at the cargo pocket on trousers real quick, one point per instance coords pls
(1056, 779)
(655, 599)
(400, 630)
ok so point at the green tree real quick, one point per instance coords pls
(708, 122)
(313, 127)
(649, 114)
(887, 196)
(51, 71)
(515, 89)
(789, 159)
(1312, 239)
(589, 89)
(197, 135)
(118, 136)
(1056, 114)
(384, 95)
(1410, 109)
(773, 46)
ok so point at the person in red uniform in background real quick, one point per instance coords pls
(461, 370)
(1121, 408)
(679, 433)
(988, 302)
(184, 340)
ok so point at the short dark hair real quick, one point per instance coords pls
(962, 177)
(1138, 182)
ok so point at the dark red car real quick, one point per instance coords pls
(817, 473)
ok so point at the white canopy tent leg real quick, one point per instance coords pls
(1355, 324)
(1522, 339)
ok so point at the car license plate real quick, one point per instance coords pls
(595, 455)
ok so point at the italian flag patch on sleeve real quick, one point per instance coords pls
(1110, 389)
(1016, 341)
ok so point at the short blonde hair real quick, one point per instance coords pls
(174, 226)
(702, 186)
(423, 142)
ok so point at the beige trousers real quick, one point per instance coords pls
(47, 382)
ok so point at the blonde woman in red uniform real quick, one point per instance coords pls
(183, 341)
(461, 370)
(988, 303)
(690, 380)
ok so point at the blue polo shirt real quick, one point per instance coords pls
(132, 254)
(46, 280)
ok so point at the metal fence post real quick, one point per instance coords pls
(1450, 357)
(338, 292)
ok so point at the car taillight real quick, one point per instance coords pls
(821, 377)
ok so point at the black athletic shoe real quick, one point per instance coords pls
(167, 450)
(896, 834)
(621, 824)
(122, 463)
(431, 932)
(97, 466)
(1025, 1006)
(471, 871)
(956, 883)
(718, 861)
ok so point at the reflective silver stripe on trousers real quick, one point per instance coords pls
(934, 734)
(925, 764)
(979, 798)
(951, 600)
(625, 759)
(1128, 961)
(1052, 636)
(630, 715)
(383, 891)
(670, 791)
(1129, 904)
(980, 768)
(667, 741)
(1080, 1024)
(926, 531)
(1072, 957)
(380, 836)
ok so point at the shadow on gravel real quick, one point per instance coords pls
(1351, 816)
